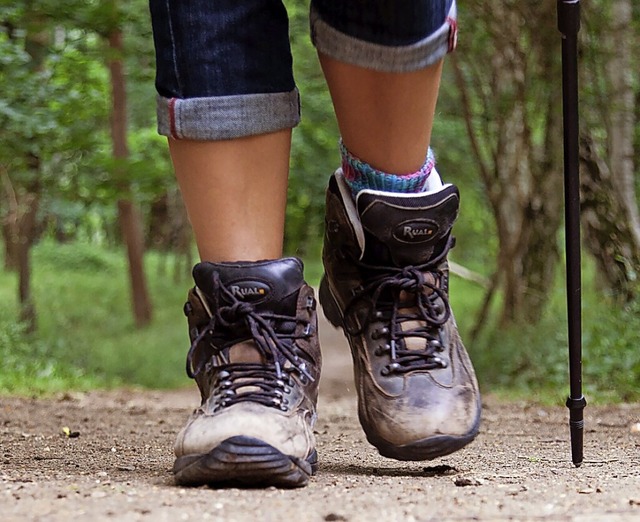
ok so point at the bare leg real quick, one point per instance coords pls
(385, 119)
(235, 192)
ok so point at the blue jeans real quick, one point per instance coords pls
(224, 67)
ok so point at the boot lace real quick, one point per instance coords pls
(273, 335)
(384, 299)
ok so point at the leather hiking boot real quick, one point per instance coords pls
(386, 284)
(255, 357)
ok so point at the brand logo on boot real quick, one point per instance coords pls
(416, 231)
(250, 291)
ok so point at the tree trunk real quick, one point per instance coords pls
(22, 229)
(128, 215)
(170, 233)
(10, 223)
(544, 209)
(132, 234)
(609, 203)
(19, 232)
(621, 71)
(27, 232)
(607, 231)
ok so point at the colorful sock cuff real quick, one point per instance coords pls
(360, 175)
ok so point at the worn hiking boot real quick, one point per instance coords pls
(386, 283)
(256, 360)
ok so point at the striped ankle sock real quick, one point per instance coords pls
(360, 175)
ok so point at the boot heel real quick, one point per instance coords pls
(329, 305)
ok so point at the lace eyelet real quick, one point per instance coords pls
(382, 349)
(308, 330)
(377, 334)
(387, 370)
(311, 303)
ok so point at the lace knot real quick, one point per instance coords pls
(269, 331)
(229, 315)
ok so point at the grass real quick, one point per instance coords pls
(85, 325)
(86, 337)
(531, 361)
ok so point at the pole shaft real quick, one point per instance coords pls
(569, 25)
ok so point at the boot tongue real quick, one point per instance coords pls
(406, 229)
(270, 286)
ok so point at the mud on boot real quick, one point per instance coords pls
(386, 284)
(255, 357)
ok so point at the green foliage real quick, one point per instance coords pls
(72, 258)
(532, 360)
(90, 316)
(55, 105)
(475, 230)
(29, 366)
(86, 336)
(50, 113)
(611, 356)
(314, 154)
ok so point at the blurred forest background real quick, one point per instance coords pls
(96, 244)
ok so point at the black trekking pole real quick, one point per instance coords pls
(569, 25)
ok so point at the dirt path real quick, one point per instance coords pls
(117, 466)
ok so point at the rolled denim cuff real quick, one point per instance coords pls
(384, 58)
(227, 117)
